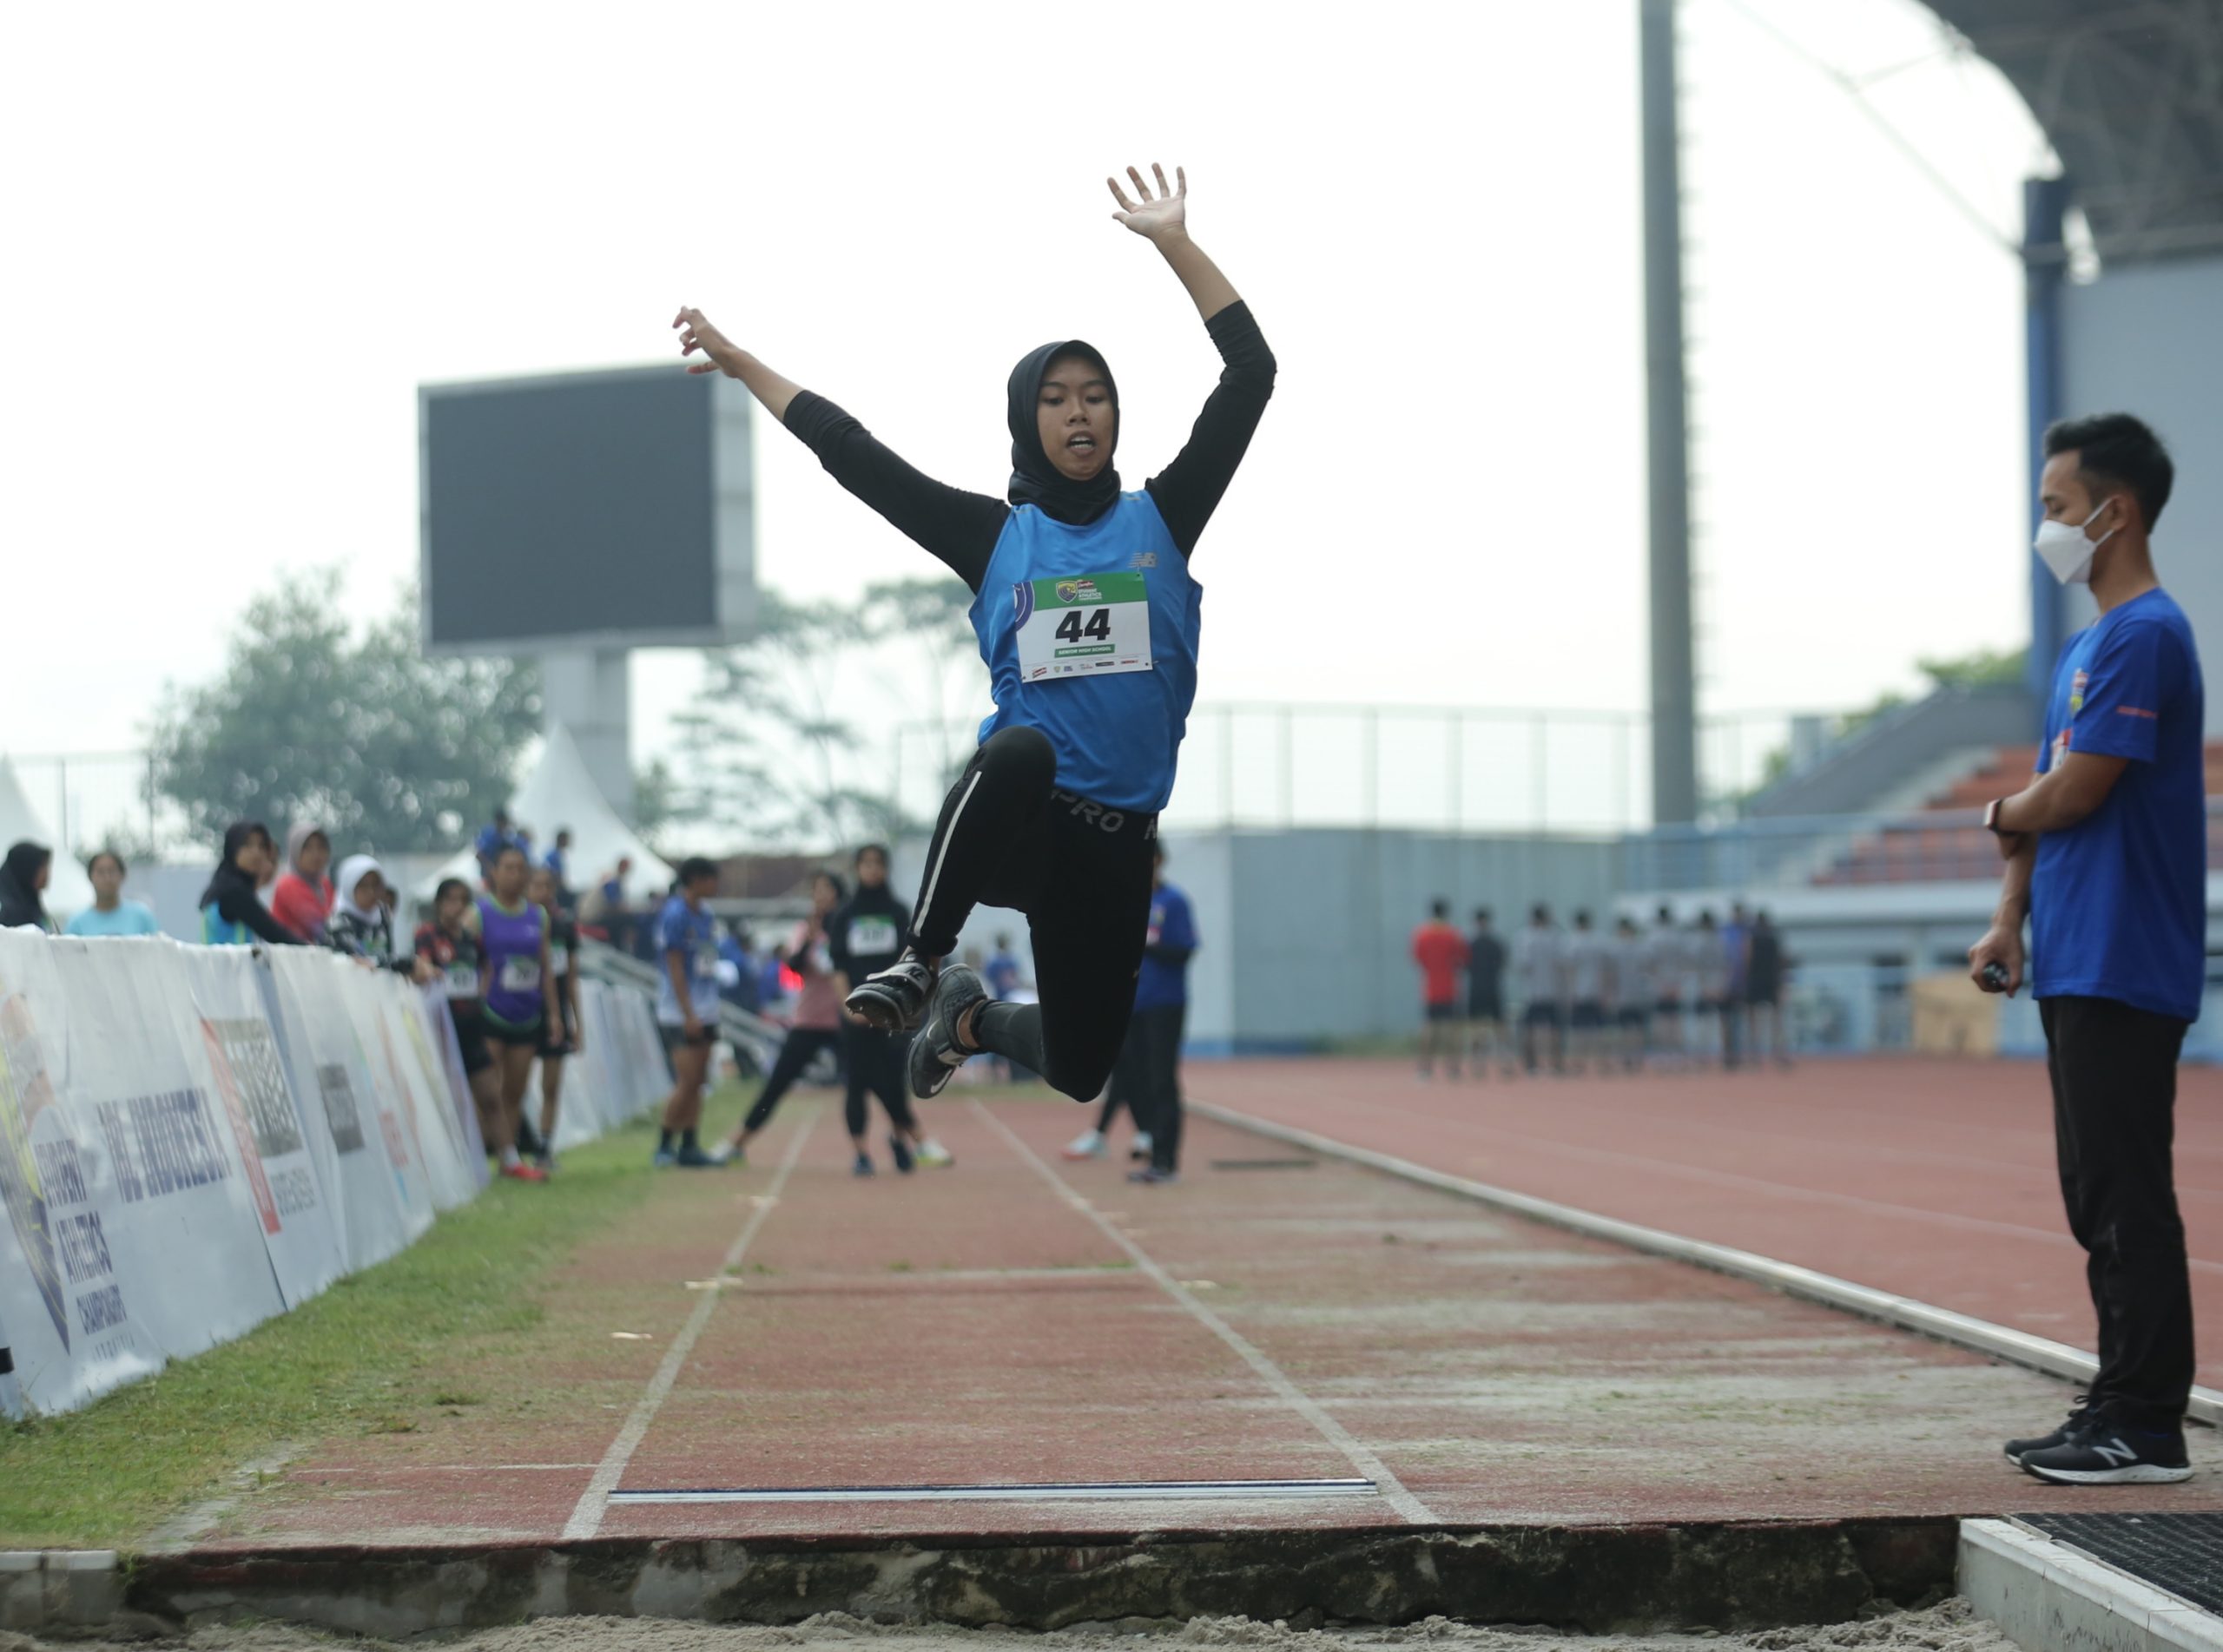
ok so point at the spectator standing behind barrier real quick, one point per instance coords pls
(458, 956)
(1666, 964)
(564, 1034)
(1161, 1016)
(687, 1009)
(362, 925)
(1441, 951)
(23, 885)
(1631, 977)
(817, 1028)
(1764, 992)
(866, 934)
(1488, 1037)
(558, 860)
(1539, 965)
(303, 898)
(2107, 853)
(231, 912)
(110, 914)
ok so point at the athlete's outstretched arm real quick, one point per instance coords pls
(1188, 490)
(959, 528)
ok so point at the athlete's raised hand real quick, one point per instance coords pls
(721, 353)
(1155, 216)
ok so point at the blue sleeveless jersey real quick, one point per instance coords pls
(1116, 735)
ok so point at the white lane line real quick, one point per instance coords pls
(1368, 1465)
(594, 1502)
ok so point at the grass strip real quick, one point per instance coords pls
(362, 1359)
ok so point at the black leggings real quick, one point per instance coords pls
(797, 1050)
(1080, 871)
(876, 1061)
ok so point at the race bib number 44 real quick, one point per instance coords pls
(1081, 626)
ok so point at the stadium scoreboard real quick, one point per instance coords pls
(597, 511)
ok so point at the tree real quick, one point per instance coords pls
(766, 752)
(368, 738)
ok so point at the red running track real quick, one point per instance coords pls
(1932, 1179)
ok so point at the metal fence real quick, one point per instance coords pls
(92, 801)
(1435, 769)
(1244, 765)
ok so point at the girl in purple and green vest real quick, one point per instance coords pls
(515, 994)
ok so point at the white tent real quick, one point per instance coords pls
(68, 889)
(560, 792)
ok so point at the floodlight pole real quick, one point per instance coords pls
(1674, 685)
(590, 691)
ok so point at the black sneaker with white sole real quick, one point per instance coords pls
(894, 1000)
(2017, 1449)
(935, 1053)
(2102, 1452)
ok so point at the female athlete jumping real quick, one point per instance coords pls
(1088, 618)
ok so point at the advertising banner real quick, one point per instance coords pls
(228, 1037)
(188, 1233)
(384, 1197)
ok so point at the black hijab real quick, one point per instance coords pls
(229, 873)
(19, 898)
(1034, 480)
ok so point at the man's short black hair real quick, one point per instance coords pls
(696, 866)
(880, 849)
(1482, 914)
(2114, 450)
(1440, 907)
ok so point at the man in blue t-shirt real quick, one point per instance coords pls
(492, 839)
(2107, 852)
(687, 1007)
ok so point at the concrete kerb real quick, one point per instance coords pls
(2047, 1597)
(1594, 1579)
(1960, 1330)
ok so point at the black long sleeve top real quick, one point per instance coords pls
(961, 528)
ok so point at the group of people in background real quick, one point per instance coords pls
(1593, 999)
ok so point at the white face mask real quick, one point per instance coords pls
(2063, 547)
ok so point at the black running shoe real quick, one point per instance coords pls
(2102, 1452)
(895, 999)
(935, 1053)
(2017, 1449)
(901, 1151)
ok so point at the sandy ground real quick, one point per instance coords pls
(1947, 1627)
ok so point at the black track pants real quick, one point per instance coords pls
(797, 1050)
(1155, 1040)
(1080, 871)
(875, 1062)
(2114, 1091)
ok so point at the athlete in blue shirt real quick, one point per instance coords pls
(1088, 619)
(2107, 853)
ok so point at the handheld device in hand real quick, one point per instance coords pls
(1994, 977)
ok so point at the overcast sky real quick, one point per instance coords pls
(241, 236)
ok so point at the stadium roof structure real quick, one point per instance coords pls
(2130, 93)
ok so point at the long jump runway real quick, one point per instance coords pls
(1023, 1345)
(1929, 1179)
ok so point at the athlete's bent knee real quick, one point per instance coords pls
(1082, 1083)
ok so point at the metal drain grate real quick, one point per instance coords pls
(2182, 1553)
